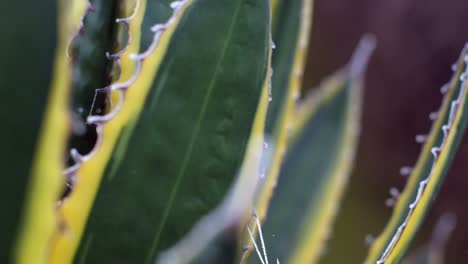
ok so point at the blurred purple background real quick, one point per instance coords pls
(417, 43)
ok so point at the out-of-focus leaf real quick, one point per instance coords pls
(24, 88)
(316, 166)
(187, 117)
(274, 9)
(429, 172)
(291, 22)
(290, 28)
(434, 251)
(290, 31)
(34, 83)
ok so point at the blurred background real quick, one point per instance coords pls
(418, 41)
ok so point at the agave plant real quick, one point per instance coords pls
(158, 131)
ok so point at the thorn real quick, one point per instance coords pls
(245, 248)
(124, 21)
(369, 240)
(444, 89)
(111, 56)
(394, 192)
(76, 156)
(127, 20)
(390, 202)
(463, 76)
(454, 67)
(434, 151)
(421, 138)
(158, 28)
(90, 8)
(406, 170)
(133, 56)
(445, 130)
(443, 229)
(176, 4)
(433, 116)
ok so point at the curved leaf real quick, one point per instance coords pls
(36, 83)
(185, 130)
(434, 251)
(290, 36)
(29, 96)
(429, 172)
(316, 167)
(75, 209)
(291, 27)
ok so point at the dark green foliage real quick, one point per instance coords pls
(27, 51)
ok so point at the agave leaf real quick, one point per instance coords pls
(291, 27)
(434, 251)
(75, 209)
(290, 31)
(274, 4)
(26, 126)
(184, 131)
(316, 166)
(212, 239)
(291, 21)
(35, 80)
(429, 172)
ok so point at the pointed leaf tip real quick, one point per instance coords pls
(362, 55)
(429, 172)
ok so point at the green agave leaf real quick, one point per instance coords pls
(213, 238)
(34, 82)
(291, 27)
(316, 167)
(429, 172)
(434, 251)
(181, 143)
(274, 9)
(29, 96)
(88, 169)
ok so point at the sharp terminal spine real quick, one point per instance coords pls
(405, 170)
(421, 138)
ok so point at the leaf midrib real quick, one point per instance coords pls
(189, 151)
